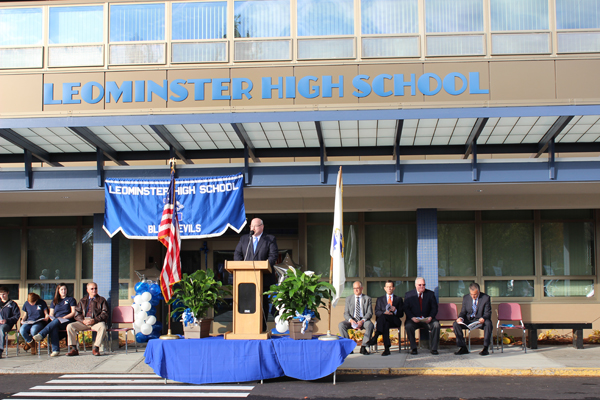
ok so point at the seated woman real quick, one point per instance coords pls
(62, 311)
(34, 319)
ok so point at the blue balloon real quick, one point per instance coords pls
(154, 290)
(153, 336)
(141, 287)
(157, 328)
(154, 301)
(141, 338)
(151, 311)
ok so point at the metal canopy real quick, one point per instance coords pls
(303, 138)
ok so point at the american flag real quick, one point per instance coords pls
(168, 234)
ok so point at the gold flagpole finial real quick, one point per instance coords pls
(172, 163)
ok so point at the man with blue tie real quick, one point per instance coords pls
(259, 246)
(476, 307)
(388, 311)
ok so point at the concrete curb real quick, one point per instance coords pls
(566, 372)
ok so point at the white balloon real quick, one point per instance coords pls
(146, 296)
(151, 320)
(146, 306)
(146, 329)
(138, 299)
(136, 308)
(137, 324)
(141, 316)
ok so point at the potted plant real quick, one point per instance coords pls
(298, 299)
(193, 296)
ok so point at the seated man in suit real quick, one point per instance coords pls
(388, 311)
(357, 315)
(421, 308)
(476, 306)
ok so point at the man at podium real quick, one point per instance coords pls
(259, 246)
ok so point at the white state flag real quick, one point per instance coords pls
(337, 242)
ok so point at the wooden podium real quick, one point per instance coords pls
(247, 299)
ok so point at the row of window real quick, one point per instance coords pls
(58, 249)
(199, 31)
(522, 254)
(496, 248)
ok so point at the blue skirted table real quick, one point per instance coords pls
(216, 360)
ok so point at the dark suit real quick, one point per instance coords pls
(266, 249)
(484, 310)
(387, 321)
(413, 309)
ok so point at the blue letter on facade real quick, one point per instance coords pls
(218, 86)
(450, 83)
(474, 86)
(267, 87)
(49, 94)
(87, 92)
(180, 92)
(328, 85)
(363, 88)
(237, 88)
(112, 90)
(304, 87)
(68, 93)
(424, 84)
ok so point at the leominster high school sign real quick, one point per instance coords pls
(288, 87)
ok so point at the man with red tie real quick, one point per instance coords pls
(421, 308)
(388, 311)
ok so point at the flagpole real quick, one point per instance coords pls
(169, 335)
(329, 336)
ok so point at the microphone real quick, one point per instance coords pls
(248, 247)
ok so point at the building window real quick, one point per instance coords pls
(390, 17)
(507, 238)
(318, 243)
(21, 38)
(578, 24)
(10, 253)
(196, 30)
(137, 23)
(510, 288)
(262, 19)
(568, 248)
(391, 250)
(51, 253)
(456, 250)
(459, 17)
(76, 25)
(326, 18)
(520, 15)
(507, 249)
(87, 251)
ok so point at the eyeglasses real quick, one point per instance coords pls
(94, 288)
(421, 285)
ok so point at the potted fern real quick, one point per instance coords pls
(298, 299)
(193, 296)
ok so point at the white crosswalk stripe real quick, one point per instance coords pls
(99, 386)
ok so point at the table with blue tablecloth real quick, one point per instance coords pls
(216, 360)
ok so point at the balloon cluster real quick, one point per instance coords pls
(147, 296)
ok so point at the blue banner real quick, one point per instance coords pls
(206, 207)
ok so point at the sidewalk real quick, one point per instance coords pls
(545, 361)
